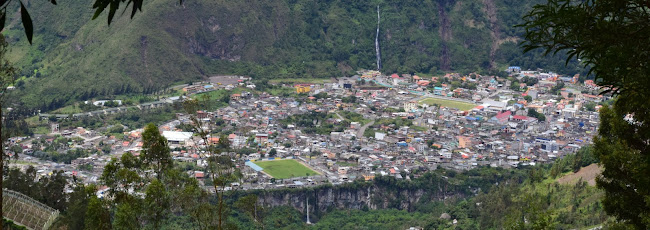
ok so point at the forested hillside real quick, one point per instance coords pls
(74, 58)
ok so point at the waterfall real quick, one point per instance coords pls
(377, 42)
(306, 198)
(368, 199)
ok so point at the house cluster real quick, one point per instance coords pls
(372, 124)
(217, 83)
(376, 125)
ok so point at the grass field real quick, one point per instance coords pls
(68, 109)
(283, 169)
(448, 103)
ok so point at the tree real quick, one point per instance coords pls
(16, 149)
(514, 86)
(156, 203)
(225, 99)
(273, 152)
(97, 216)
(116, 129)
(533, 113)
(195, 202)
(75, 215)
(556, 89)
(53, 190)
(610, 37)
(155, 152)
(221, 166)
(528, 98)
(8, 71)
(106, 149)
(7, 77)
(248, 205)
(122, 175)
(126, 216)
(590, 106)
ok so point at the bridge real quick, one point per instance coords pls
(25, 211)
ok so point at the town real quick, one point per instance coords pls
(343, 129)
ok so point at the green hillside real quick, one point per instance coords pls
(74, 58)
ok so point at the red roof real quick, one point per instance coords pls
(503, 115)
(519, 117)
(423, 82)
(394, 76)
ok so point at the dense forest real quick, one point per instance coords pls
(77, 58)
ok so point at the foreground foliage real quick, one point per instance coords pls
(483, 198)
(612, 37)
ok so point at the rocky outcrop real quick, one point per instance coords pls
(367, 196)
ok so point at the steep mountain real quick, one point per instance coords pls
(75, 58)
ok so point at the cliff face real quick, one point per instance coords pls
(373, 197)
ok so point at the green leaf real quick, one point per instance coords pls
(3, 18)
(99, 5)
(97, 12)
(27, 22)
(111, 12)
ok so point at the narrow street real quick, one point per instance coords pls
(363, 128)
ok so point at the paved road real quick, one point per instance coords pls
(339, 115)
(363, 128)
(492, 95)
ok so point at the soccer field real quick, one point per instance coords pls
(283, 169)
(448, 103)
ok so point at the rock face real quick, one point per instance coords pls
(373, 197)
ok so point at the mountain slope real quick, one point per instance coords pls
(74, 58)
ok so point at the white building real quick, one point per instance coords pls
(177, 138)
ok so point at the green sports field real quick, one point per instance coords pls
(448, 103)
(282, 169)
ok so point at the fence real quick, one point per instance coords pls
(25, 211)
